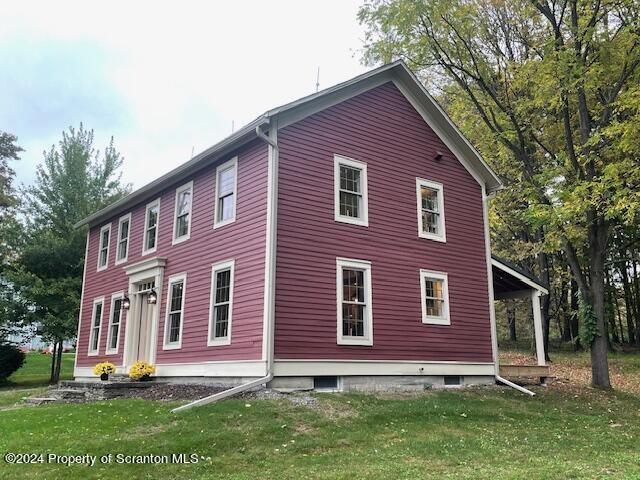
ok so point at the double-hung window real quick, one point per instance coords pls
(430, 196)
(435, 297)
(124, 226)
(151, 222)
(226, 193)
(96, 326)
(350, 191)
(355, 318)
(115, 320)
(175, 312)
(103, 252)
(221, 307)
(182, 220)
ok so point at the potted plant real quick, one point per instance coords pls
(104, 369)
(142, 371)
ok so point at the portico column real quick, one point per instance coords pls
(537, 326)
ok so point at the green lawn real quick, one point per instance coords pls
(37, 368)
(492, 433)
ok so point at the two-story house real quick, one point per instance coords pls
(338, 241)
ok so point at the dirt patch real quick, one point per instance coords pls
(175, 391)
(335, 410)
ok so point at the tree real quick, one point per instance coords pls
(73, 181)
(548, 81)
(10, 229)
(9, 150)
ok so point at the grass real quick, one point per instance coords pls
(492, 433)
(36, 370)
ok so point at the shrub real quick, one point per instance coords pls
(11, 359)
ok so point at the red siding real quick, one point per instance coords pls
(243, 240)
(381, 128)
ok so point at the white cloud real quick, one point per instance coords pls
(176, 75)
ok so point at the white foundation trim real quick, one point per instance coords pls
(295, 368)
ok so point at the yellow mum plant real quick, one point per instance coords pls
(141, 370)
(104, 368)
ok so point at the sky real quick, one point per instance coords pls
(165, 79)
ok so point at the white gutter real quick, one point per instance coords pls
(269, 287)
(513, 385)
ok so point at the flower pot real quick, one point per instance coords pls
(145, 378)
(104, 377)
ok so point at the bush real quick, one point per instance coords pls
(11, 359)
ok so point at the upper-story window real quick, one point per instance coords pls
(350, 191)
(103, 252)
(175, 311)
(226, 193)
(151, 221)
(115, 320)
(355, 318)
(124, 227)
(435, 297)
(96, 326)
(430, 197)
(221, 303)
(182, 220)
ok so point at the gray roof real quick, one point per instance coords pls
(305, 106)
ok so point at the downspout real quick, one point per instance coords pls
(269, 287)
(492, 312)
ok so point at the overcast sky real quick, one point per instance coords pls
(163, 79)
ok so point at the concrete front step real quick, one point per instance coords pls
(72, 390)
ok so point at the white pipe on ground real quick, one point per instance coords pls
(513, 385)
(269, 318)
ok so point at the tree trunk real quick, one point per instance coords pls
(596, 295)
(53, 363)
(628, 303)
(575, 321)
(511, 320)
(58, 362)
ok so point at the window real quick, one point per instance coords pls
(103, 252)
(355, 319)
(435, 298)
(115, 320)
(151, 220)
(226, 193)
(430, 197)
(124, 226)
(175, 312)
(350, 191)
(182, 221)
(96, 326)
(221, 303)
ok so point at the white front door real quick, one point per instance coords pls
(145, 321)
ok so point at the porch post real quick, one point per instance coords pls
(537, 326)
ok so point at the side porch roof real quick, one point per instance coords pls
(510, 281)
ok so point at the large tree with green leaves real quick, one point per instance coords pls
(73, 181)
(548, 82)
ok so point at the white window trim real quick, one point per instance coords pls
(144, 227)
(108, 350)
(233, 162)
(181, 277)
(421, 182)
(93, 353)
(446, 319)
(365, 265)
(179, 190)
(100, 246)
(350, 162)
(230, 264)
(120, 222)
